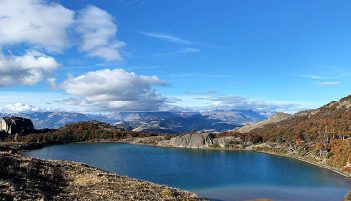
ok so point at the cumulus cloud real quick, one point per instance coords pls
(27, 69)
(98, 31)
(35, 22)
(114, 90)
(48, 27)
(19, 107)
(39, 23)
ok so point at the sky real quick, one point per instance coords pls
(161, 55)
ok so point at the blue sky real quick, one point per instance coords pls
(176, 55)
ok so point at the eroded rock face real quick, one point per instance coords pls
(14, 125)
(24, 178)
(193, 140)
(199, 140)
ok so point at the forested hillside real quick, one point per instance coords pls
(324, 133)
(74, 132)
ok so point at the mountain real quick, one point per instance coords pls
(241, 117)
(156, 122)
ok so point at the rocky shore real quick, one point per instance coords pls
(203, 140)
(24, 178)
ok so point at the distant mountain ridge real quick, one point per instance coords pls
(157, 122)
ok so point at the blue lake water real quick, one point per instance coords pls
(218, 175)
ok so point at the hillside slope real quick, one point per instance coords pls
(323, 133)
(277, 117)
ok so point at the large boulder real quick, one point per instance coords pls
(16, 125)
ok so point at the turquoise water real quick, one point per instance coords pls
(218, 175)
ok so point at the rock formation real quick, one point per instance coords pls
(191, 140)
(198, 140)
(16, 125)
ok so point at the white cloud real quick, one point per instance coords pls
(237, 102)
(35, 22)
(98, 34)
(206, 102)
(45, 26)
(114, 90)
(18, 107)
(27, 69)
(331, 83)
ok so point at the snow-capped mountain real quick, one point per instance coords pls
(157, 122)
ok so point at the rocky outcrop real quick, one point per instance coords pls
(16, 125)
(192, 140)
(24, 178)
(347, 196)
(277, 117)
(199, 140)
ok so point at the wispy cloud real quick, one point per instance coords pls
(168, 37)
(175, 39)
(177, 52)
(332, 83)
(323, 80)
(185, 75)
(207, 92)
(315, 77)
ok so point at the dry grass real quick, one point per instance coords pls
(86, 180)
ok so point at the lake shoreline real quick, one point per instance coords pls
(225, 149)
(210, 150)
(131, 141)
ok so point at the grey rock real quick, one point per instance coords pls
(194, 140)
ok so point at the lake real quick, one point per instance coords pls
(217, 175)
